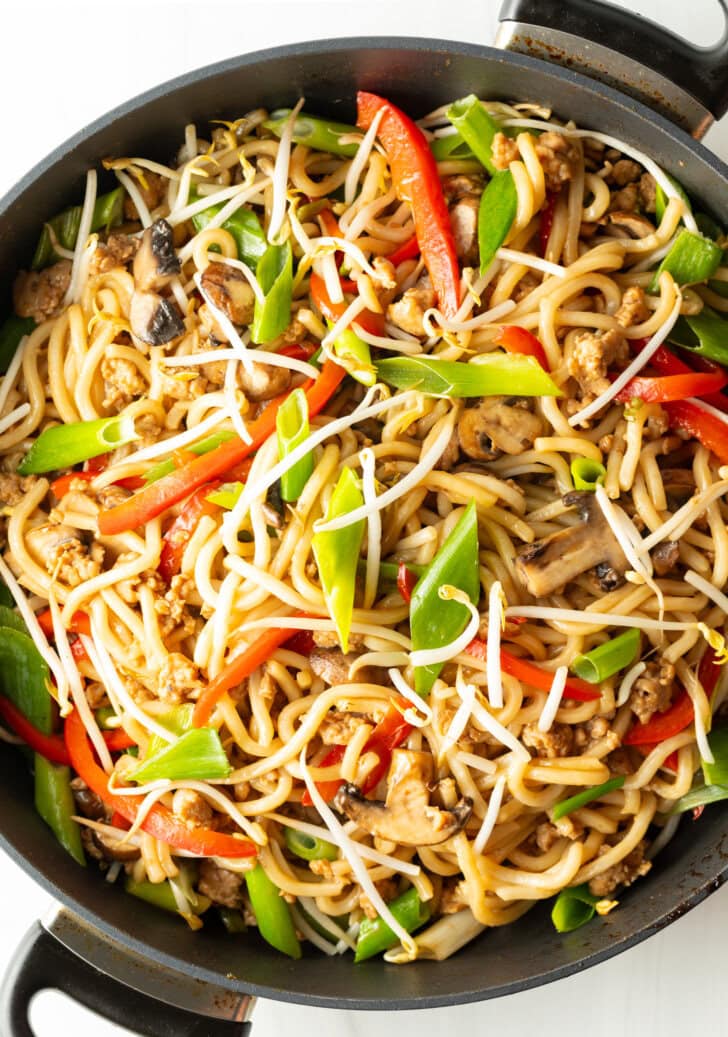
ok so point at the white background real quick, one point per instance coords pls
(65, 64)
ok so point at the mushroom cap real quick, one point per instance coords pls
(155, 320)
(156, 261)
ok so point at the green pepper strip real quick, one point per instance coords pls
(272, 913)
(159, 894)
(496, 213)
(203, 447)
(492, 375)
(62, 446)
(573, 907)
(309, 847)
(337, 554)
(375, 936)
(434, 622)
(54, 802)
(716, 773)
(691, 259)
(108, 212)
(476, 127)
(582, 798)
(314, 132)
(292, 428)
(197, 755)
(12, 332)
(587, 474)
(25, 679)
(275, 276)
(243, 225)
(609, 658)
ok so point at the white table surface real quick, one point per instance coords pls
(54, 79)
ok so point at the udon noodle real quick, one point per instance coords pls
(452, 793)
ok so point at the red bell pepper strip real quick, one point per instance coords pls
(302, 351)
(367, 319)
(156, 497)
(709, 429)
(672, 387)
(518, 340)
(80, 623)
(390, 732)
(680, 714)
(53, 747)
(529, 673)
(301, 642)
(159, 822)
(547, 219)
(416, 180)
(406, 581)
(665, 362)
(409, 250)
(61, 485)
(178, 535)
(237, 670)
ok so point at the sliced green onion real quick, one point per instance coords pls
(375, 936)
(661, 198)
(62, 446)
(451, 147)
(314, 132)
(573, 907)
(691, 259)
(476, 127)
(108, 212)
(716, 773)
(390, 570)
(309, 847)
(434, 622)
(293, 429)
(494, 374)
(160, 894)
(566, 806)
(706, 334)
(337, 554)
(275, 276)
(203, 447)
(272, 913)
(227, 495)
(12, 332)
(197, 755)
(356, 355)
(243, 225)
(607, 659)
(701, 796)
(587, 474)
(496, 213)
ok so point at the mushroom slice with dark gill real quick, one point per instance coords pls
(406, 816)
(155, 320)
(156, 261)
(547, 565)
(498, 424)
(228, 290)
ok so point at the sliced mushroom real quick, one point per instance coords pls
(498, 424)
(155, 320)
(666, 556)
(635, 225)
(114, 849)
(406, 816)
(229, 291)
(546, 565)
(156, 262)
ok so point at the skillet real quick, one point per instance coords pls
(594, 63)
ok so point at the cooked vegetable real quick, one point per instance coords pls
(337, 554)
(691, 259)
(519, 340)
(573, 907)
(498, 205)
(272, 913)
(375, 936)
(533, 675)
(227, 496)
(245, 228)
(477, 128)
(450, 147)
(716, 773)
(108, 212)
(434, 622)
(491, 375)
(293, 429)
(680, 714)
(705, 333)
(608, 658)
(356, 357)
(309, 847)
(314, 132)
(275, 276)
(54, 802)
(567, 806)
(196, 755)
(203, 447)
(700, 796)
(12, 332)
(712, 431)
(179, 534)
(61, 446)
(587, 474)
(673, 387)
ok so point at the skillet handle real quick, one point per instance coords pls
(42, 963)
(686, 83)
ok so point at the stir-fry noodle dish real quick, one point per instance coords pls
(363, 537)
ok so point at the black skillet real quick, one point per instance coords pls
(139, 966)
